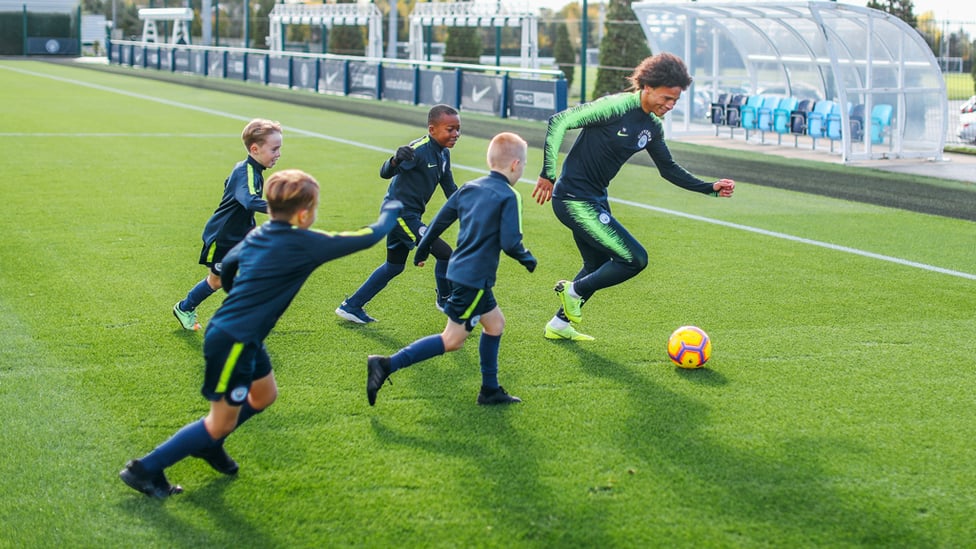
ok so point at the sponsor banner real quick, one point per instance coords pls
(215, 62)
(235, 66)
(256, 66)
(181, 60)
(198, 62)
(481, 93)
(531, 99)
(363, 79)
(278, 71)
(52, 46)
(166, 60)
(438, 87)
(304, 73)
(398, 84)
(332, 77)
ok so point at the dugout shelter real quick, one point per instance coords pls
(853, 61)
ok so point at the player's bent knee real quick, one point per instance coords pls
(262, 401)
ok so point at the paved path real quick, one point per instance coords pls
(953, 166)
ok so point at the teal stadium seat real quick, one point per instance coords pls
(881, 116)
(835, 125)
(749, 119)
(764, 120)
(781, 117)
(817, 119)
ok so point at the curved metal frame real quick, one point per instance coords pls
(845, 69)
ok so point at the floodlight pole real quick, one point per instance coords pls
(217, 23)
(247, 23)
(498, 37)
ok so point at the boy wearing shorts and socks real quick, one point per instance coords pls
(234, 217)
(262, 275)
(490, 214)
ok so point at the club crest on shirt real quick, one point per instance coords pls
(604, 218)
(643, 139)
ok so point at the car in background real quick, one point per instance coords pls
(967, 127)
(968, 106)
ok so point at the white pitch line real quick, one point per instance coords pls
(300, 131)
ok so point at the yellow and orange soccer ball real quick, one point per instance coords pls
(689, 347)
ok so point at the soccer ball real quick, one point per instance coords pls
(689, 347)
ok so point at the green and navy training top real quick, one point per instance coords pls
(234, 216)
(415, 181)
(490, 215)
(613, 129)
(264, 272)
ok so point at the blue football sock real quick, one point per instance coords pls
(247, 412)
(440, 278)
(488, 350)
(374, 284)
(420, 350)
(196, 295)
(189, 439)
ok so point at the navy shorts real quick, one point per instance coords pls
(406, 233)
(466, 305)
(212, 254)
(231, 366)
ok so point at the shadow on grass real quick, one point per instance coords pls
(786, 484)
(160, 516)
(192, 340)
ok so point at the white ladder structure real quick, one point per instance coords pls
(180, 17)
(475, 14)
(329, 15)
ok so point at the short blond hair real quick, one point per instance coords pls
(258, 130)
(504, 148)
(289, 191)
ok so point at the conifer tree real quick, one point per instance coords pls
(565, 53)
(623, 47)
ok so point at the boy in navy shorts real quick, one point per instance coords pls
(262, 275)
(416, 170)
(490, 216)
(234, 217)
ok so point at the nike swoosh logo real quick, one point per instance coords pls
(330, 78)
(476, 95)
(432, 165)
(623, 133)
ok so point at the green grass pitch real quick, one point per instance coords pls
(836, 411)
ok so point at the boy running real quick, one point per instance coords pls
(234, 217)
(490, 216)
(417, 169)
(262, 275)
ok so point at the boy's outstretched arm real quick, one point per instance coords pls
(347, 242)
